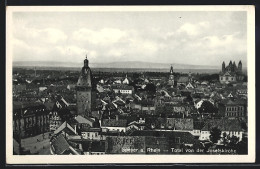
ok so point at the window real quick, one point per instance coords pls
(177, 140)
(88, 134)
(95, 134)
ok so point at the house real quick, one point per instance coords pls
(233, 108)
(60, 146)
(123, 89)
(65, 129)
(30, 119)
(179, 108)
(118, 81)
(242, 91)
(71, 86)
(231, 127)
(93, 147)
(100, 89)
(170, 124)
(126, 81)
(92, 134)
(114, 124)
(84, 121)
(58, 116)
(137, 125)
(197, 126)
(189, 86)
(43, 88)
(19, 88)
(183, 80)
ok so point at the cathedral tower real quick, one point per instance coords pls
(239, 66)
(84, 90)
(223, 66)
(234, 67)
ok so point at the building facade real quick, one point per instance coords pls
(30, 120)
(233, 109)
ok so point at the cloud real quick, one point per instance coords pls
(104, 36)
(47, 35)
(193, 39)
(52, 35)
(193, 29)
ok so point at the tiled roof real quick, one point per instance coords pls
(183, 79)
(233, 102)
(60, 144)
(122, 87)
(176, 123)
(88, 129)
(114, 123)
(198, 125)
(183, 124)
(81, 119)
(19, 105)
(223, 124)
(65, 127)
(49, 105)
(185, 137)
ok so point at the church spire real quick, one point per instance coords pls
(223, 66)
(86, 61)
(171, 70)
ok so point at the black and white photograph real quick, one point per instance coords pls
(141, 83)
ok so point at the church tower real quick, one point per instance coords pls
(230, 66)
(84, 91)
(223, 66)
(171, 78)
(234, 67)
(239, 66)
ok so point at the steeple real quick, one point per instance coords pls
(171, 70)
(223, 66)
(86, 61)
(239, 66)
(171, 78)
(234, 66)
(85, 77)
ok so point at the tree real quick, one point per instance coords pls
(224, 138)
(242, 146)
(150, 88)
(207, 107)
(233, 141)
(188, 99)
(215, 134)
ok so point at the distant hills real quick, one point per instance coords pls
(130, 65)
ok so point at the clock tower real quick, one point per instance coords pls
(84, 91)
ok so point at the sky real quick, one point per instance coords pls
(198, 38)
